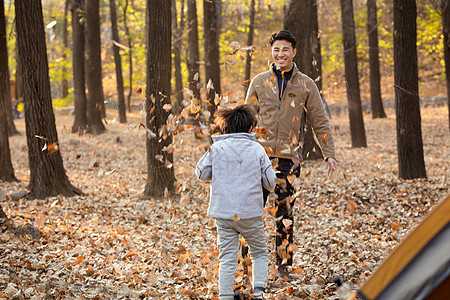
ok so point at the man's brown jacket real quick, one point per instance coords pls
(279, 120)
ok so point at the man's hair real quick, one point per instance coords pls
(239, 119)
(283, 35)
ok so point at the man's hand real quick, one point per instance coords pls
(332, 166)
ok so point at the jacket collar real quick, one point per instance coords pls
(294, 69)
(239, 135)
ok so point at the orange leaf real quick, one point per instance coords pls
(52, 148)
(133, 252)
(79, 259)
(298, 271)
(351, 206)
(395, 226)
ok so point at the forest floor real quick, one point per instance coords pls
(111, 244)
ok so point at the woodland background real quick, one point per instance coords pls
(112, 242)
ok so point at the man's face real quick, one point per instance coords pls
(283, 54)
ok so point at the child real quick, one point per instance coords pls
(238, 168)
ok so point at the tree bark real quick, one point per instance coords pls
(411, 162)
(159, 159)
(251, 31)
(374, 61)
(445, 7)
(6, 168)
(212, 52)
(94, 75)
(130, 54)
(65, 84)
(177, 44)
(78, 67)
(194, 55)
(118, 63)
(351, 75)
(299, 20)
(47, 174)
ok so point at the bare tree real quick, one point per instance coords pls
(212, 12)
(95, 102)
(177, 44)
(351, 75)
(159, 158)
(6, 168)
(374, 61)
(411, 162)
(194, 55)
(118, 63)
(445, 7)
(65, 84)
(251, 31)
(78, 67)
(47, 174)
(130, 54)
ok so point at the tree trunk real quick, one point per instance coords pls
(9, 109)
(78, 66)
(159, 160)
(445, 6)
(411, 162)
(212, 52)
(194, 56)
(130, 54)
(118, 63)
(6, 168)
(251, 30)
(94, 75)
(315, 46)
(299, 20)
(351, 75)
(374, 61)
(65, 84)
(47, 174)
(177, 43)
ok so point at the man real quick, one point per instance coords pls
(281, 94)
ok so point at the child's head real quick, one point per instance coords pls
(239, 119)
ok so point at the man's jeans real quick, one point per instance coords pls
(228, 243)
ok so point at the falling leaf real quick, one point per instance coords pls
(139, 90)
(235, 46)
(196, 76)
(210, 85)
(167, 107)
(159, 157)
(287, 223)
(41, 137)
(52, 148)
(325, 137)
(236, 218)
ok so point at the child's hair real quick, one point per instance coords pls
(283, 35)
(239, 119)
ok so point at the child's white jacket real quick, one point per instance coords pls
(238, 167)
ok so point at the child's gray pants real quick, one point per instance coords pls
(228, 243)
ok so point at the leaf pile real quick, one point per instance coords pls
(112, 244)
